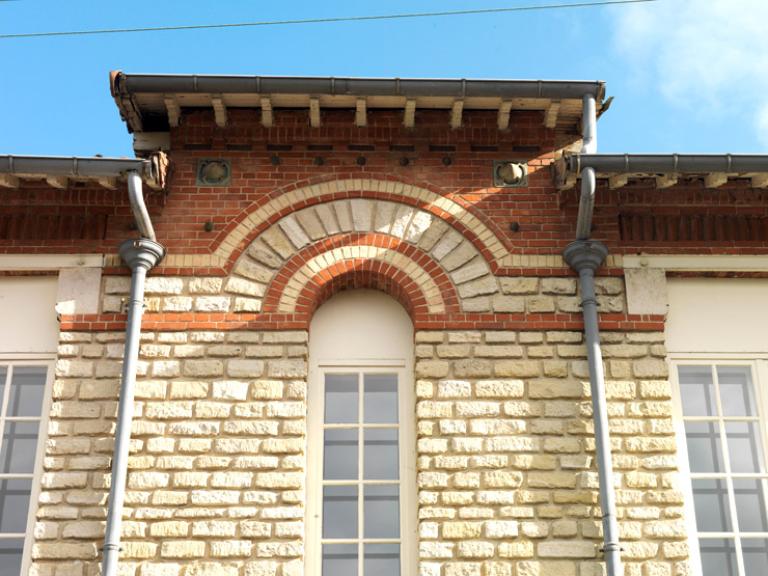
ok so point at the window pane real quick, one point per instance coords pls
(10, 557)
(339, 559)
(704, 448)
(718, 557)
(381, 454)
(736, 393)
(3, 375)
(17, 454)
(341, 401)
(697, 390)
(340, 455)
(750, 505)
(381, 509)
(380, 400)
(14, 504)
(27, 390)
(381, 560)
(340, 512)
(744, 446)
(755, 556)
(710, 499)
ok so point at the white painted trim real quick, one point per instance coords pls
(50, 261)
(684, 471)
(696, 262)
(407, 447)
(42, 437)
(381, 342)
(758, 365)
(362, 363)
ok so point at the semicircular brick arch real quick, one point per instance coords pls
(360, 273)
(427, 287)
(303, 244)
(481, 233)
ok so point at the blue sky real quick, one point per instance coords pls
(687, 75)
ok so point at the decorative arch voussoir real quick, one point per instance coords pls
(305, 243)
(451, 213)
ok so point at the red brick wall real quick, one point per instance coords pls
(87, 218)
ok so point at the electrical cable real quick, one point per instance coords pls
(331, 20)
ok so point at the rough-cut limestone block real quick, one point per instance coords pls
(547, 568)
(163, 285)
(519, 285)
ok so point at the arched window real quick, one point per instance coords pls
(361, 489)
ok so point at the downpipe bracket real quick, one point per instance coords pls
(585, 255)
(141, 253)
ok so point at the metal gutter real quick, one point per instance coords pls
(665, 163)
(152, 170)
(85, 167)
(125, 84)
(130, 91)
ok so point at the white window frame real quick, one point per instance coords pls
(46, 360)
(406, 443)
(758, 364)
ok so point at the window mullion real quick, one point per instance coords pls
(728, 478)
(360, 475)
(5, 400)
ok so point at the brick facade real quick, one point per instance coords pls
(507, 482)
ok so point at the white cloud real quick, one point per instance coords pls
(704, 54)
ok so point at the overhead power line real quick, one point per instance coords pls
(529, 8)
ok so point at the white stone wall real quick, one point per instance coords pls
(217, 465)
(507, 483)
(507, 479)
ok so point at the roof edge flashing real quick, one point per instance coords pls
(666, 163)
(152, 170)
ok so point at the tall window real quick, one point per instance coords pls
(22, 400)
(723, 410)
(362, 481)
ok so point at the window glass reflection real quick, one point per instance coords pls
(736, 393)
(718, 557)
(17, 453)
(339, 559)
(340, 454)
(341, 399)
(10, 556)
(705, 452)
(381, 560)
(750, 504)
(14, 504)
(744, 446)
(381, 509)
(380, 400)
(381, 454)
(27, 390)
(697, 390)
(710, 498)
(340, 512)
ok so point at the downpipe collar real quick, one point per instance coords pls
(141, 253)
(585, 255)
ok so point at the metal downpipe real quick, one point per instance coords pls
(138, 207)
(140, 256)
(588, 179)
(586, 204)
(585, 257)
